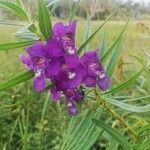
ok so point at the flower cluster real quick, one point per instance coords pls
(57, 60)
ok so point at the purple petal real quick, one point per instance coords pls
(73, 111)
(53, 67)
(63, 85)
(79, 96)
(27, 61)
(104, 83)
(38, 49)
(72, 60)
(82, 70)
(90, 57)
(39, 83)
(60, 30)
(90, 81)
(54, 48)
(72, 108)
(56, 96)
(74, 82)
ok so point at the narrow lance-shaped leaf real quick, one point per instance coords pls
(87, 32)
(20, 4)
(129, 107)
(14, 9)
(13, 23)
(52, 3)
(114, 133)
(126, 84)
(6, 46)
(53, 9)
(16, 80)
(112, 47)
(73, 12)
(104, 44)
(44, 20)
(115, 56)
(93, 35)
(81, 131)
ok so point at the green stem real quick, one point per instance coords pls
(115, 115)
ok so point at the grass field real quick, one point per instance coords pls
(30, 121)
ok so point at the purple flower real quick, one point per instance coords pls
(56, 95)
(72, 108)
(71, 57)
(54, 48)
(57, 61)
(96, 73)
(54, 66)
(69, 78)
(36, 61)
(66, 33)
(73, 96)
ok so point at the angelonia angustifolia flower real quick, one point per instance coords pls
(57, 61)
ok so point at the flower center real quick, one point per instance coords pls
(69, 35)
(71, 75)
(100, 74)
(66, 38)
(39, 61)
(38, 73)
(93, 67)
(69, 104)
(70, 51)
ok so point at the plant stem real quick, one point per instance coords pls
(115, 115)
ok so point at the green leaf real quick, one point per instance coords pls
(14, 9)
(114, 133)
(126, 84)
(8, 22)
(53, 9)
(16, 80)
(73, 12)
(32, 28)
(6, 46)
(145, 145)
(93, 35)
(104, 44)
(113, 46)
(28, 32)
(131, 108)
(54, 2)
(87, 32)
(115, 56)
(81, 133)
(20, 4)
(44, 20)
